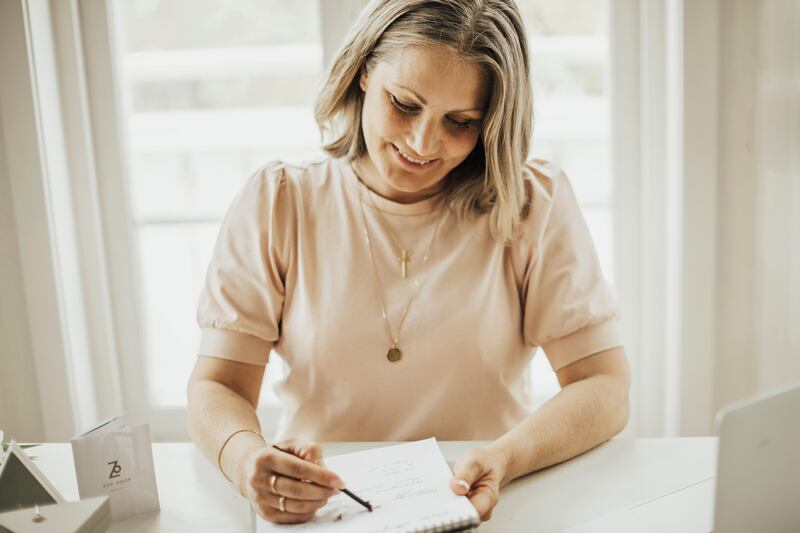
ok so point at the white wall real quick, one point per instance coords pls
(20, 411)
(738, 206)
(758, 241)
(778, 170)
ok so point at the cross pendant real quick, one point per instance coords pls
(403, 262)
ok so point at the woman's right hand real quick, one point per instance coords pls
(296, 482)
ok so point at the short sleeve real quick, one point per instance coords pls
(569, 308)
(240, 306)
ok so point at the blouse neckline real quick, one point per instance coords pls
(358, 187)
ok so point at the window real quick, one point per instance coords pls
(200, 106)
(203, 85)
(569, 43)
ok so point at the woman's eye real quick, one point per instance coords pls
(401, 106)
(410, 110)
(462, 125)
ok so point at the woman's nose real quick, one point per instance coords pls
(424, 138)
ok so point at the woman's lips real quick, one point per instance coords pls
(408, 163)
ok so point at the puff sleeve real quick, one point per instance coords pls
(240, 305)
(568, 307)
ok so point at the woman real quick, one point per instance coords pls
(407, 279)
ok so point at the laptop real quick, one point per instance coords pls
(757, 487)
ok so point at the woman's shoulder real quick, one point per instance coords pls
(293, 183)
(550, 198)
(296, 173)
(543, 179)
(278, 189)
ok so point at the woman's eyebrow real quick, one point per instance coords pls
(424, 102)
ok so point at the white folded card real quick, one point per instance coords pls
(116, 460)
(408, 486)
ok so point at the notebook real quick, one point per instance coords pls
(408, 486)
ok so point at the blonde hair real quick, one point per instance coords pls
(489, 33)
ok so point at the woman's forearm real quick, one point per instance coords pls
(214, 413)
(581, 416)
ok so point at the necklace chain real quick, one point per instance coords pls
(394, 340)
(403, 257)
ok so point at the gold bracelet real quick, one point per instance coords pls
(219, 455)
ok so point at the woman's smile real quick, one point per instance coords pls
(407, 161)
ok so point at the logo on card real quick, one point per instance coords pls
(115, 470)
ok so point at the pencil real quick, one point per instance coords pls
(359, 500)
(366, 504)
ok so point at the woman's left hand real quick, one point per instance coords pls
(478, 476)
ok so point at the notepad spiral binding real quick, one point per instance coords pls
(450, 526)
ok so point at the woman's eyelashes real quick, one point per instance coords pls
(405, 108)
(413, 110)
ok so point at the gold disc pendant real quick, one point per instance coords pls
(394, 355)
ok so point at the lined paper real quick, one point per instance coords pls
(406, 484)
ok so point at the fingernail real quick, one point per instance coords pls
(463, 484)
(338, 483)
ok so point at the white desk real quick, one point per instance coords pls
(617, 474)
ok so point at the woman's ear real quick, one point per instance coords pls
(362, 79)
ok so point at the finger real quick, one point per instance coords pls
(483, 500)
(277, 517)
(288, 465)
(307, 450)
(311, 452)
(300, 490)
(291, 505)
(465, 473)
(459, 486)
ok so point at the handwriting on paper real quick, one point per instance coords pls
(407, 486)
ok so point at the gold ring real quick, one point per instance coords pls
(272, 481)
(282, 504)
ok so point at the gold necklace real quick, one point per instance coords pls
(403, 257)
(394, 353)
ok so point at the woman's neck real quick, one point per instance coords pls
(370, 176)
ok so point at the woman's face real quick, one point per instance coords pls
(422, 115)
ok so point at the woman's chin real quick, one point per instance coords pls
(407, 185)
